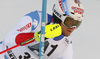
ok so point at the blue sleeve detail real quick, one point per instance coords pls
(5, 57)
(35, 19)
(49, 18)
(1, 42)
(70, 42)
(58, 38)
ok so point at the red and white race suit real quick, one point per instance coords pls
(55, 48)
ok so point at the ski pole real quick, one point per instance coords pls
(42, 37)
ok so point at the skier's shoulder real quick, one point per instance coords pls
(36, 13)
(33, 13)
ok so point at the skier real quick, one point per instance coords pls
(67, 13)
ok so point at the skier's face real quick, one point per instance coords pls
(66, 31)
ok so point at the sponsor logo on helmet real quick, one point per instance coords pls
(57, 14)
(25, 27)
(77, 10)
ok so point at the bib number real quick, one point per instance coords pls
(26, 56)
(53, 49)
(35, 48)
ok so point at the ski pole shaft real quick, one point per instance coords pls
(19, 44)
(42, 37)
(9, 49)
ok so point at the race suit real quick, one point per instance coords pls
(55, 48)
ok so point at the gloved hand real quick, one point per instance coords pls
(51, 30)
(37, 34)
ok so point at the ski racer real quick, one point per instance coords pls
(67, 13)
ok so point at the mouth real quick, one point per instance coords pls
(69, 31)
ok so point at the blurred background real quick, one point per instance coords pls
(86, 39)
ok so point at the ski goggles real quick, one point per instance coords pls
(71, 22)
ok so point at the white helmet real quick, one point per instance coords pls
(71, 8)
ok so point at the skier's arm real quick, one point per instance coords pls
(51, 31)
(24, 26)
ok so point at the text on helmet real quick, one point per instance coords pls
(77, 10)
(57, 14)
